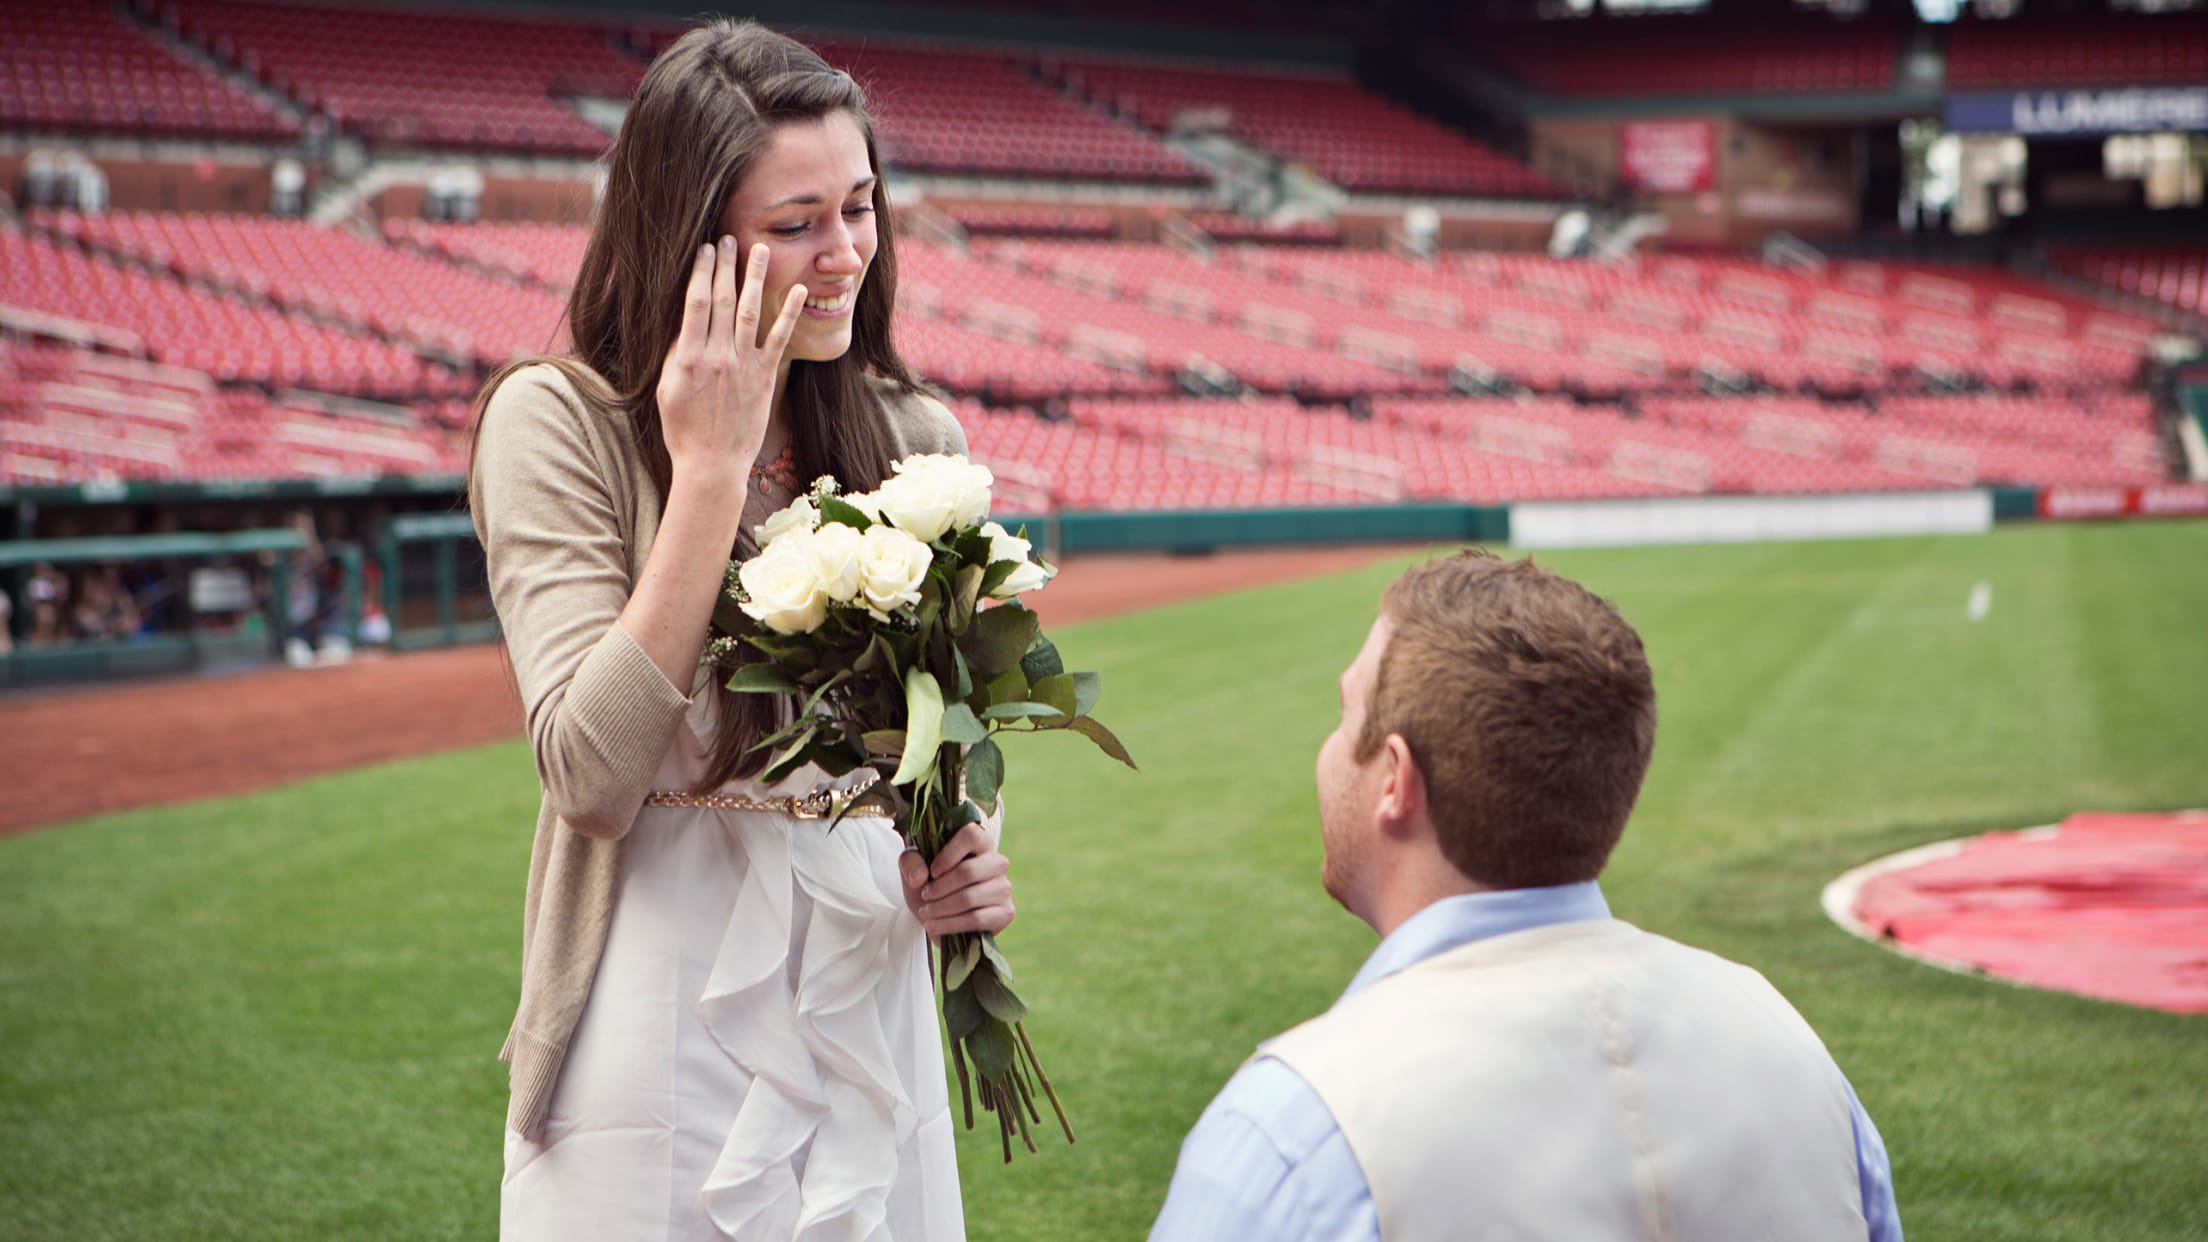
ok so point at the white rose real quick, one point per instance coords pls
(866, 503)
(834, 550)
(933, 492)
(785, 588)
(1006, 546)
(892, 564)
(800, 515)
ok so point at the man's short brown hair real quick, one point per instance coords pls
(1528, 704)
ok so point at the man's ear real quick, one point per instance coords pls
(1402, 806)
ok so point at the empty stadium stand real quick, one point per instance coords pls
(227, 337)
(422, 79)
(974, 111)
(1271, 365)
(1664, 56)
(76, 65)
(332, 273)
(1109, 333)
(2174, 275)
(1150, 453)
(1323, 118)
(74, 415)
(2034, 50)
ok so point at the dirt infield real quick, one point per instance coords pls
(77, 753)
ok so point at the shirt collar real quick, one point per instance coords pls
(1456, 921)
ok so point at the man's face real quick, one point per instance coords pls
(1348, 788)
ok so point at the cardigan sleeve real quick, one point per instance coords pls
(600, 714)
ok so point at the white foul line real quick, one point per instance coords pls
(1981, 602)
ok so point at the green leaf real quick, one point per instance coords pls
(1022, 711)
(999, 638)
(995, 955)
(959, 965)
(972, 546)
(760, 679)
(923, 725)
(881, 794)
(836, 509)
(962, 726)
(729, 617)
(790, 760)
(994, 576)
(1090, 728)
(1041, 660)
(878, 655)
(965, 674)
(784, 647)
(962, 1015)
(965, 597)
(984, 772)
(930, 610)
(1087, 688)
(966, 813)
(833, 756)
(997, 998)
(803, 724)
(1056, 691)
(1010, 688)
(990, 1046)
(813, 701)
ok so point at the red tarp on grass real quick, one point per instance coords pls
(2106, 905)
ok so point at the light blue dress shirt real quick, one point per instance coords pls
(1266, 1161)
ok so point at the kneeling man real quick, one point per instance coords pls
(1512, 1062)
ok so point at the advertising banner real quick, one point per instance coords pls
(1668, 157)
(2161, 500)
(2080, 112)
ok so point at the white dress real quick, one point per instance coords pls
(758, 1058)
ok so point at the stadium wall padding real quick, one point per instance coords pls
(1748, 519)
(1205, 530)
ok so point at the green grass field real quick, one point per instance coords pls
(274, 1017)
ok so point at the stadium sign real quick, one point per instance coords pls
(2037, 113)
(1667, 157)
(2161, 500)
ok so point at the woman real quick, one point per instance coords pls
(725, 1027)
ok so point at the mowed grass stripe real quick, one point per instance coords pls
(273, 1017)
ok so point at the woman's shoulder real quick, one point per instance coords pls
(918, 419)
(544, 403)
(565, 383)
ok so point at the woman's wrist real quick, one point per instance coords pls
(718, 474)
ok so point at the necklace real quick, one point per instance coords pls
(782, 470)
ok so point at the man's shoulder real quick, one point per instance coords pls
(1271, 1098)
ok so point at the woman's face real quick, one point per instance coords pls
(810, 198)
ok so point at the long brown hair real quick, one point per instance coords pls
(703, 113)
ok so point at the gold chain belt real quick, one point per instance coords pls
(819, 804)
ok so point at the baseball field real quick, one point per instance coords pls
(273, 1016)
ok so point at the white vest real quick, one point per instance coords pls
(1585, 1082)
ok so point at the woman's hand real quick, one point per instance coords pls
(966, 890)
(716, 386)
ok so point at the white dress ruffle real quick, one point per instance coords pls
(758, 1058)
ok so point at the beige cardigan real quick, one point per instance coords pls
(567, 509)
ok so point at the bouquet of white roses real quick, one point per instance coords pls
(893, 616)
